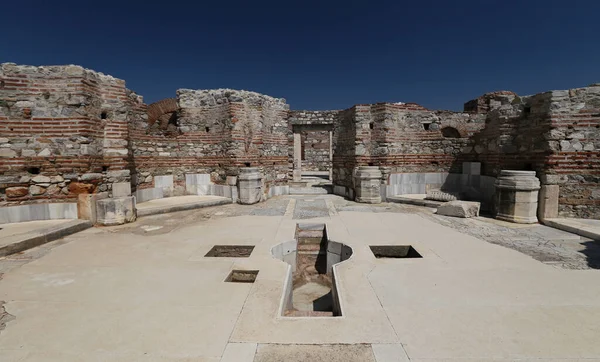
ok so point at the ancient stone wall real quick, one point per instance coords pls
(401, 137)
(66, 130)
(63, 131)
(574, 139)
(555, 133)
(216, 132)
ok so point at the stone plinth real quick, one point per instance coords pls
(115, 211)
(517, 196)
(250, 185)
(367, 184)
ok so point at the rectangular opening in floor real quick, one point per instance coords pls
(242, 276)
(230, 251)
(394, 251)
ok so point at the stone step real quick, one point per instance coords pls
(310, 190)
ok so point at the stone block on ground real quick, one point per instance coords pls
(457, 208)
(116, 211)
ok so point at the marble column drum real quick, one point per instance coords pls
(250, 185)
(367, 183)
(517, 196)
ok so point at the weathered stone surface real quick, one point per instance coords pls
(249, 186)
(548, 207)
(14, 192)
(517, 196)
(121, 189)
(36, 190)
(367, 181)
(457, 208)
(41, 179)
(115, 211)
(53, 190)
(45, 152)
(91, 176)
(7, 153)
(81, 188)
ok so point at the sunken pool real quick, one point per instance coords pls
(310, 288)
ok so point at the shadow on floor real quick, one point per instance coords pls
(592, 253)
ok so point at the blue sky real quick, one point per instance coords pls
(317, 54)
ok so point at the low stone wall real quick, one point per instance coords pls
(472, 187)
(33, 212)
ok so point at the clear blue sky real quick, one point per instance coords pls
(317, 54)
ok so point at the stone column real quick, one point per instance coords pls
(331, 155)
(250, 185)
(367, 184)
(517, 196)
(548, 202)
(297, 172)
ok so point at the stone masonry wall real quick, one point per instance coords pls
(218, 131)
(63, 131)
(574, 139)
(315, 151)
(400, 137)
(556, 134)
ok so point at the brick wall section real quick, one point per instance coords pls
(556, 133)
(218, 132)
(574, 141)
(63, 131)
(400, 137)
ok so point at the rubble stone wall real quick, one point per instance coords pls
(216, 132)
(556, 134)
(63, 131)
(400, 138)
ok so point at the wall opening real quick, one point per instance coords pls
(450, 132)
(33, 170)
(371, 125)
(207, 129)
(103, 115)
(426, 126)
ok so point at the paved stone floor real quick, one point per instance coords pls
(484, 290)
